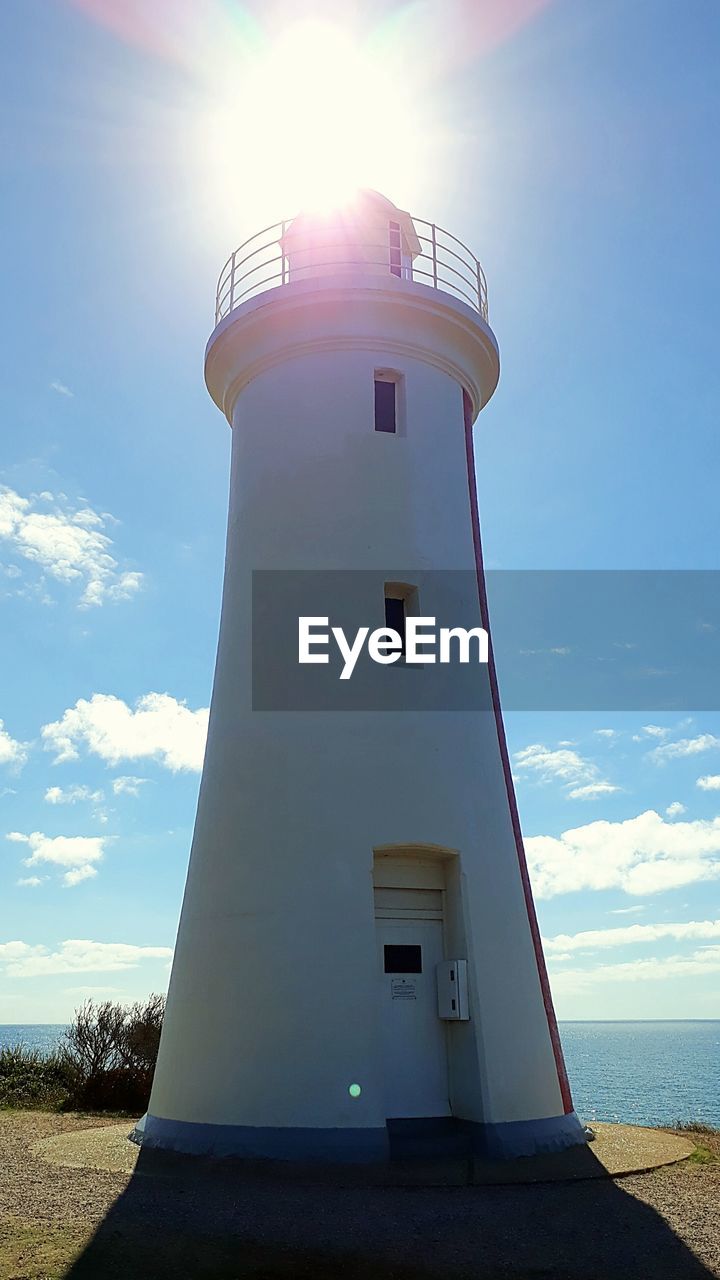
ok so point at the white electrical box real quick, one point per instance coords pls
(452, 990)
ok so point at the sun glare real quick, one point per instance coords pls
(311, 118)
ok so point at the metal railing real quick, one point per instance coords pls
(444, 263)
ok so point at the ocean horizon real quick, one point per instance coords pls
(645, 1071)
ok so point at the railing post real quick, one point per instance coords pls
(433, 238)
(232, 283)
(481, 308)
(283, 273)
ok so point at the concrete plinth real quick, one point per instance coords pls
(618, 1149)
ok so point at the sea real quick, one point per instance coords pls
(630, 1072)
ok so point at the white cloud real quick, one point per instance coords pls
(30, 882)
(655, 731)
(76, 854)
(61, 389)
(63, 851)
(591, 790)
(71, 795)
(605, 733)
(12, 951)
(698, 964)
(159, 728)
(629, 935)
(684, 747)
(675, 809)
(548, 765)
(711, 782)
(626, 911)
(560, 651)
(641, 855)
(75, 956)
(77, 875)
(128, 786)
(11, 752)
(67, 544)
(580, 777)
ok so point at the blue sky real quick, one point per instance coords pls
(572, 146)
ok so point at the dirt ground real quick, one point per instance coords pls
(184, 1221)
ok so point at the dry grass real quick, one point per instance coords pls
(706, 1138)
(38, 1251)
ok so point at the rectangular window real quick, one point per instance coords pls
(401, 602)
(403, 959)
(395, 616)
(385, 406)
(395, 249)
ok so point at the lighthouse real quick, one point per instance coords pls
(358, 958)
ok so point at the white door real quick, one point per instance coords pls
(414, 1046)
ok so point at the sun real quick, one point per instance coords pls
(311, 118)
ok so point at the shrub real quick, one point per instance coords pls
(694, 1126)
(105, 1061)
(111, 1050)
(32, 1079)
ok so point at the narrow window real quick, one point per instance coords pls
(395, 617)
(385, 405)
(395, 249)
(401, 602)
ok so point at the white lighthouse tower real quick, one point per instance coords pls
(358, 957)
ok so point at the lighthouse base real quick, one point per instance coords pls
(426, 1139)
(454, 1137)
(341, 1146)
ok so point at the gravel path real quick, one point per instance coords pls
(178, 1220)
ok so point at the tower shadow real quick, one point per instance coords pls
(196, 1219)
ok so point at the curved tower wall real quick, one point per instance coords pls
(273, 1005)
